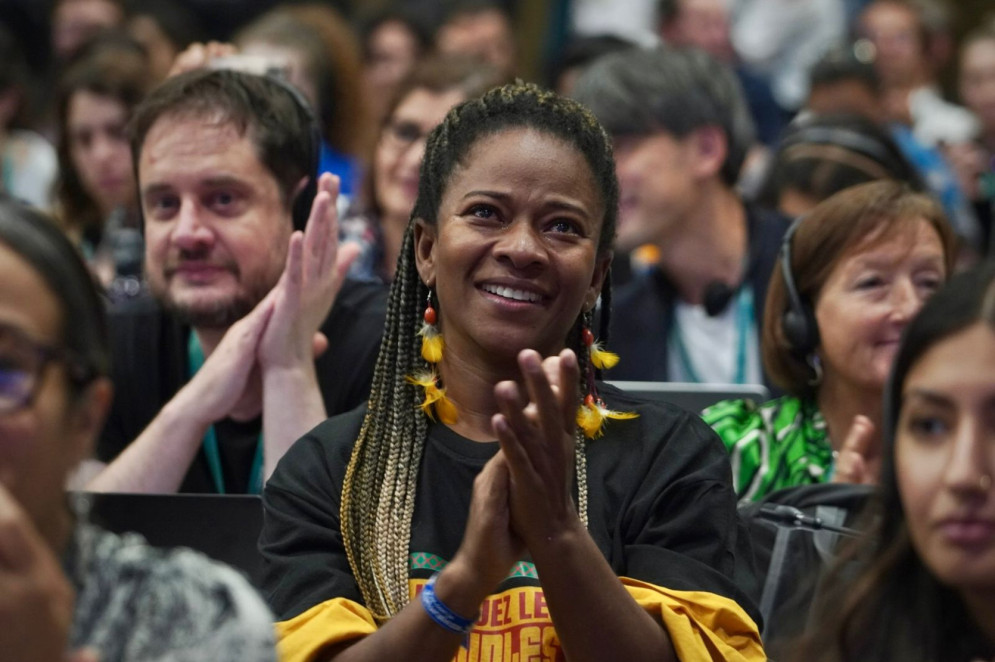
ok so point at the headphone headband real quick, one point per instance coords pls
(798, 322)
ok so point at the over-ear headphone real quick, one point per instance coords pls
(798, 322)
(301, 208)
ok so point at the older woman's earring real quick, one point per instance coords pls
(815, 363)
(431, 340)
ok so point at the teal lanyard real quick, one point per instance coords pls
(744, 313)
(195, 359)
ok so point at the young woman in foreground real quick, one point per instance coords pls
(926, 588)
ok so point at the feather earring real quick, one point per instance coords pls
(593, 412)
(431, 340)
(434, 403)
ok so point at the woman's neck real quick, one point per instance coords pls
(839, 403)
(470, 385)
(711, 247)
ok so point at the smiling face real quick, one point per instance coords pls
(945, 459)
(216, 226)
(401, 147)
(869, 298)
(656, 186)
(99, 150)
(514, 256)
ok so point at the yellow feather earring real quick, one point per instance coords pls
(435, 403)
(593, 413)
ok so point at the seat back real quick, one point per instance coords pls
(224, 527)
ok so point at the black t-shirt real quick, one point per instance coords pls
(150, 364)
(661, 509)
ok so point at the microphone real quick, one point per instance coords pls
(793, 517)
(717, 297)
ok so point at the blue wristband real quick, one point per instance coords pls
(445, 617)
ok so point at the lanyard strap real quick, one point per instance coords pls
(744, 313)
(195, 359)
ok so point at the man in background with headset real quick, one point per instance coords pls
(218, 377)
(682, 131)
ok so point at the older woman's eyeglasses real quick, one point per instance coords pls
(401, 135)
(22, 362)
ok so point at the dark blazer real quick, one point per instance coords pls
(643, 309)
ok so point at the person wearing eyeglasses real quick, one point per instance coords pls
(68, 590)
(377, 222)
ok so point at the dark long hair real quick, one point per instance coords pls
(895, 608)
(83, 327)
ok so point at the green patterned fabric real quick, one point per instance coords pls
(778, 444)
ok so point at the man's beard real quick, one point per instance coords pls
(219, 313)
(214, 315)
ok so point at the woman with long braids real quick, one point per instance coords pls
(595, 527)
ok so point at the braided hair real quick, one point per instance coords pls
(378, 494)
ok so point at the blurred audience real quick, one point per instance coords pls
(96, 192)
(480, 29)
(705, 24)
(781, 40)
(820, 155)
(853, 272)
(902, 56)
(377, 222)
(682, 130)
(392, 43)
(578, 54)
(975, 162)
(70, 592)
(315, 49)
(29, 164)
(74, 22)
(845, 81)
(164, 28)
(918, 587)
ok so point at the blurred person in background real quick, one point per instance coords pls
(97, 199)
(681, 131)
(705, 24)
(845, 80)
(392, 43)
(480, 29)
(75, 22)
(29, 164)
(918, 587)
(579, 52)
(975, 161)
(164, 28)
(377, 222)
(820, 155)
(903, 58)
(853, 272)
(315, 49)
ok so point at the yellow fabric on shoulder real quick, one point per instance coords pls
(702, 626)
(328, 623)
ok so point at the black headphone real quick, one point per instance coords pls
(303, 201)
(798, 322)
